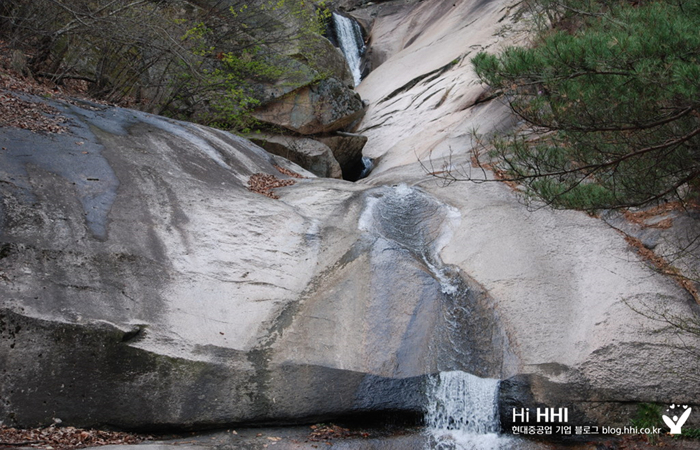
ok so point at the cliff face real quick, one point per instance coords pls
(425, 48)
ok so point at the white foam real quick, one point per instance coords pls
(402, 190)
(462, 413)
(447, 284)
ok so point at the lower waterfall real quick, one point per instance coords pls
(463, 413)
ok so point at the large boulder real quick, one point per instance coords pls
(338, 155)
(142, 284)
(322, 107)
(326, 59)
(314, 156)
(305, 64)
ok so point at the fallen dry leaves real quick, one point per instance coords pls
(289, 173)
(34, 116)
(642, 217)
(326, 432)
(64, 438)
(264, 183)
(663, 266)
(19, 113)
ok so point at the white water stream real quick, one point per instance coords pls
(462, 412)
(462, 409)
(349, 37)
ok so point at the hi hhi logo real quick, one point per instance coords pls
(559, 415)
(675, 423)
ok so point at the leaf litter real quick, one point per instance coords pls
(65, 438)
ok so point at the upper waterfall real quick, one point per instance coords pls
(349, 38)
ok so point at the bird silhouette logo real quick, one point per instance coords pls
(675, 423)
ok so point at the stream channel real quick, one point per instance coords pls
(462, 409)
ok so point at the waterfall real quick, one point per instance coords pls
(349, 37)
(462, 412)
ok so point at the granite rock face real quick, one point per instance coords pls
(143, 286)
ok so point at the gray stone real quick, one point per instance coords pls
(314, 156)
(96, 374)
(143, 286)
(132, 251)
(584, 314)
(326, 59)
(319, 108)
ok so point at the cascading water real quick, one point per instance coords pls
(462, 412)
(349, 38)
(462, 408)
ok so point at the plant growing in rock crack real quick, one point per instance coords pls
(648, 416)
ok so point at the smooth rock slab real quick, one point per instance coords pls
(143, 286)
(566, 288)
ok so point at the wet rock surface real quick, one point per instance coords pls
(579, 306)
(389, 291)
(142, 285)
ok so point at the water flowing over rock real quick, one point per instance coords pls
(462, 408)
(326, 59)
(144, 286)
(367, 166)
(566, 287)
(143, 283)
(349, 37)
(382, 307)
